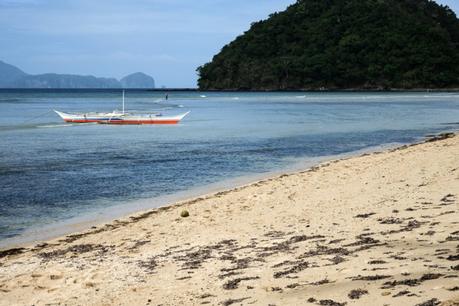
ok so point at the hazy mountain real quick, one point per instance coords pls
(138, 80)
(13, 77)
(53, 80)
(336, 44)
(9, 74)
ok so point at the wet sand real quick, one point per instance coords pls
(379, 229)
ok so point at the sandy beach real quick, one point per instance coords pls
(380, 229)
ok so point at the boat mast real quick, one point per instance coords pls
(123, 102)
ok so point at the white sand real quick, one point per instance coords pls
(291, 240)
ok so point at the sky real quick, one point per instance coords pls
(167, 39)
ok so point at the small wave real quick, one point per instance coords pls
(300, 97)
(203, 96)
(9, 100)
(7, 128)
(236, 98)
(54, 125)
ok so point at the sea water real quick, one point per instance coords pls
(51, 171)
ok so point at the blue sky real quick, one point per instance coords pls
(167, 39)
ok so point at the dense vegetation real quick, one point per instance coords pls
(342, 44)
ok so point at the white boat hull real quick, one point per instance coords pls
(87, 117)
(144, 119)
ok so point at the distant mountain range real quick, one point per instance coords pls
(13, 77)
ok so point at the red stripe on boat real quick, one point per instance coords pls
(80, 121)
(140, 122)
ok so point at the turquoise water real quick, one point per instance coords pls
(52, 171)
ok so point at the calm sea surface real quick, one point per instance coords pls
(52, 171)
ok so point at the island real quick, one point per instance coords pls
(354, 44)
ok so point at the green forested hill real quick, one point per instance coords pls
(342, 44)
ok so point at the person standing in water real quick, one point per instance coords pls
(167, 96)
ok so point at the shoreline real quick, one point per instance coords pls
(329, 90)
(129, 208)
(380, 228)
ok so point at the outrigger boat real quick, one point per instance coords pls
(120, 117)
